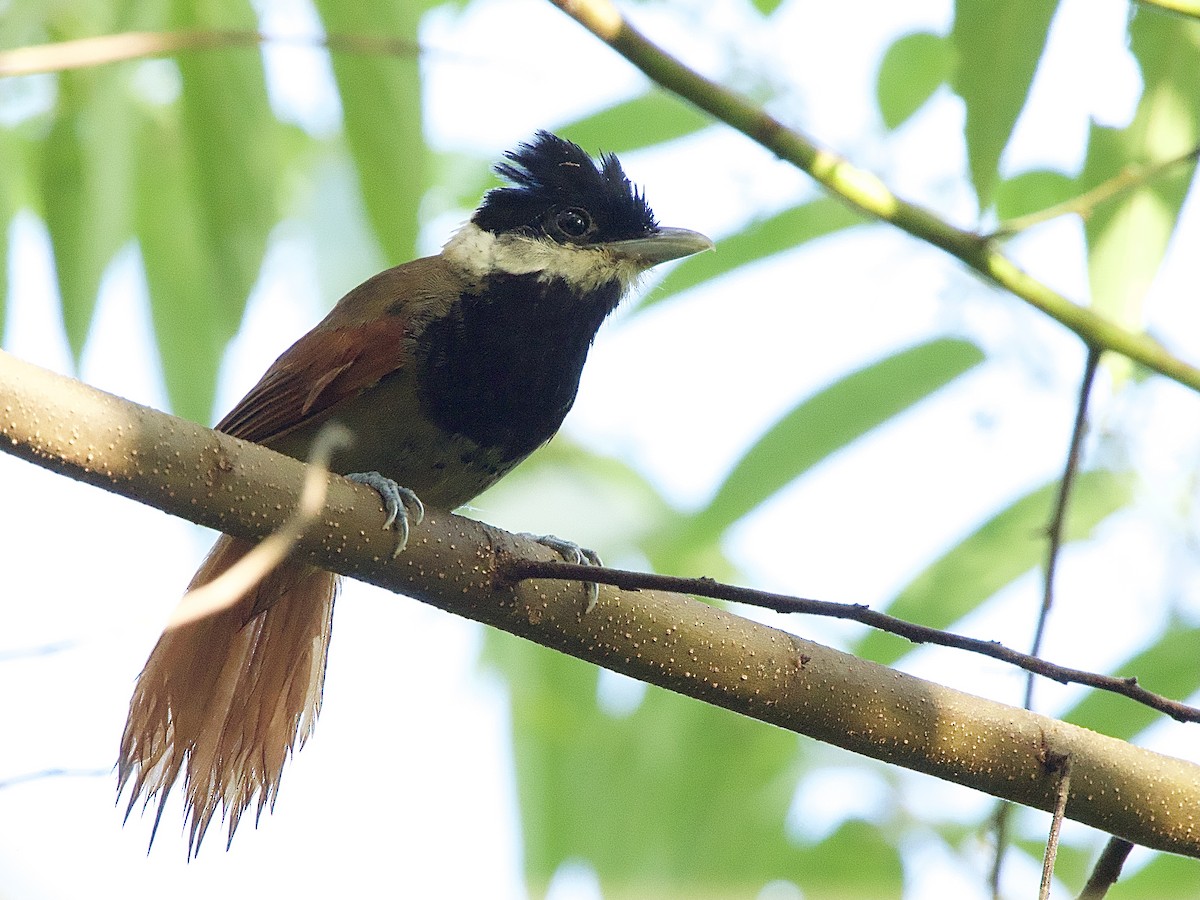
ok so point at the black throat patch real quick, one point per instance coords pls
(502, 367)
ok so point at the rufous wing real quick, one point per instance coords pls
(329, 365)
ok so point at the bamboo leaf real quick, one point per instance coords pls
(997, 47)
(86, 187)
(1168, 667)
(826, 422)
(756, 242)
(1127, 238)
(382, 119)
(654, 117)
(913, 67)
(1001, 550)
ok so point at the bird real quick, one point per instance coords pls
(447, 371)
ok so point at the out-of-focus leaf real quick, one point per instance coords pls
(1166, 875)
(191, 327)
(86, 187)
(913, 67)
(1004, 548)
(1128, 237)
(854, 861)
(227, 157)
(767, 7)
(997, 46)
(599, 501)
(677, 798)
(381, 116)
(652, 118)
(758, 241)
(12, 152)
(1032, 192)
(1167, 667)
(825, 423)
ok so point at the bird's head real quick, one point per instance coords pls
(565, 216)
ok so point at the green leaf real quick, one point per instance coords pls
(997, 46)
(676, 799)
(767, 7)
(673, 799)
(825, 423)
(12, 151)
(86, 187)
(758, 241)
(233, 148)
(1167, 667)
(1033, 191)
(652, 118)
(913, 67)
(1128, 237)
(381, 117)
(1004, 548)
(181, 272)
(206, 209)
(1166, 875)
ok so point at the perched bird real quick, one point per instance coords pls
(448, 371)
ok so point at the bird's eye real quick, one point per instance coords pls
(573, 222)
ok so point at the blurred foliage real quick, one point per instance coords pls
(187, 157)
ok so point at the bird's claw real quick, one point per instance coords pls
(573, 553)
(404, 508)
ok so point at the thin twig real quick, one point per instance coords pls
(1058, 518)
(83, 53)
(1062, 792)
(1183, 7)
(866, 192)
(1128, 179)
(1107, 869)
(1000, 822)
(43, 774)
(1054, 532)
(43, 650)
(514, 569)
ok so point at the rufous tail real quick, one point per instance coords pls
(225, 699)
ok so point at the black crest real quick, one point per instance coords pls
(551, 176)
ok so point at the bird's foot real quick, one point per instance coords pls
(573, 553)
(404, 508)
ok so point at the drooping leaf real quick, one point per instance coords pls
(382, 118)
(191, 326)
(226, 150)
(1127, 237)
(86, 188)
(1001, 550)
(651, 118)
(825, 423)
(12, 152)
(997, 46)
(1166, 667)
(756, 242)
(913, 67)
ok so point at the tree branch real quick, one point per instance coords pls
(866, 192)
(83, 53)
(664, 639)
(516, 569)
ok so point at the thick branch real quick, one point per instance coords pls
(664, 639)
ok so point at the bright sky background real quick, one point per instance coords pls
(400, 783)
